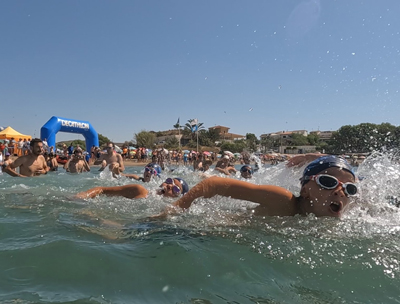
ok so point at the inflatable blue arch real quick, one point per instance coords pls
(59, 124)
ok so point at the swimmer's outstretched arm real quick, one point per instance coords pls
(224, 171)
(132, 176)
(10, 169)
(273, 200)
(128, 191)
(12, 172)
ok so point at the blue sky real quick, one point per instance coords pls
(254, 66)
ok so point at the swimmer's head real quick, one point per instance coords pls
(153, 168)
(246, 171)
(328, 183)
(323, 163)
(110, 147)
(173, 187)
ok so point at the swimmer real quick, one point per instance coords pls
(112, 159)
(224, 166)
(33, 164)
(327, 185)
(171, 187)
(77, 163)
(151, 170)
(52, 162)
(246, 171)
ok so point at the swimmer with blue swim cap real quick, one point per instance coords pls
(325, 162)
(173, 187)
(151, 170)
(327, 185)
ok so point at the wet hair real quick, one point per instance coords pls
(35, 140)
(323, 163)
(113, 145)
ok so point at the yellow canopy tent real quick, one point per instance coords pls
(9, 132)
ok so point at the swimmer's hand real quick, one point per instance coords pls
(41, 171)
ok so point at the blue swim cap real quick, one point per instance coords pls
(185, 186)
(323, 163)
(156, 168)
(247, 167)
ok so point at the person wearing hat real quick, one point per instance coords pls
(327, 185)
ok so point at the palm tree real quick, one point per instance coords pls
(188, 128)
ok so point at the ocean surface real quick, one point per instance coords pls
(57, 249)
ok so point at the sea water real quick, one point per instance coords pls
(57, 249)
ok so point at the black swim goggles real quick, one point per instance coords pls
(246, 169)
(330, 182)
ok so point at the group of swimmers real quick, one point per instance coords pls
(327, 184)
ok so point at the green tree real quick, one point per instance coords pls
(236, 146)
(171, 142)
(269, 143)
(313, 139)
(362, 138)
(213, 135)
(145, 139)
(251, 142)
(103, 140)
(187, 129)
(205, 141)
(298, 140)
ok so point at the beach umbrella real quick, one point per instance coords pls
(194, 151)
(207, 153)
(118, 149)
(132, 148)
(362, 157)
(186, 151)
(237, 154)
(228, 153)
(219, 155)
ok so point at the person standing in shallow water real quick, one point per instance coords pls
(33, 164)
(111, 159)
(77, 163)
(327, 185)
